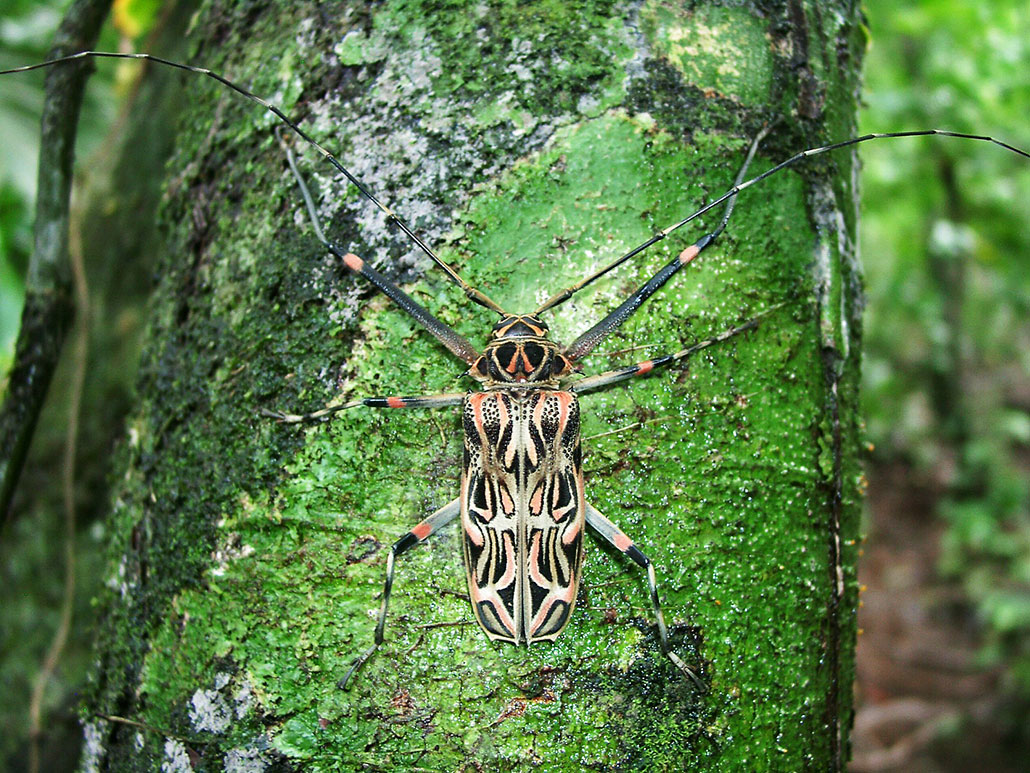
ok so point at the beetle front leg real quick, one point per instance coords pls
(422, 531)
(615, 537)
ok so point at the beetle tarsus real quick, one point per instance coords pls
(344, 684)
(682, 666)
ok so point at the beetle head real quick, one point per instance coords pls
(520, 352)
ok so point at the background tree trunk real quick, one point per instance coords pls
(530, 145)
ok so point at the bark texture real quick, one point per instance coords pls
(530, 143)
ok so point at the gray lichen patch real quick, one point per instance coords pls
(421, 127)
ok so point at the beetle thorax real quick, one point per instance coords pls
(520, 352)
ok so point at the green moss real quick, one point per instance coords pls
(477, 56)
(722, 49)
(362, 480)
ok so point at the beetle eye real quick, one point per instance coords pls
(535, 355)
(561, 366)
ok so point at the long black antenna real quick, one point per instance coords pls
(568, 292)
(470, 292)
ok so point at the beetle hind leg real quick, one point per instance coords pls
(422, 531)
(615, 537)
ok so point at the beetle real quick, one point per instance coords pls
(522, 504)
(521, 353)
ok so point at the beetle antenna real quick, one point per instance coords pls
(471, 293)
(739, 186)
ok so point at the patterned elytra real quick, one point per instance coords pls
(522, 506)
(522, 511)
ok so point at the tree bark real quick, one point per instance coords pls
(529, 145)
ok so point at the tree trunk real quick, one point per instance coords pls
(530, 145)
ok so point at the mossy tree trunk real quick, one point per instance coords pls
(529, 144)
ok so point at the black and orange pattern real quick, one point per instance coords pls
(522, 511)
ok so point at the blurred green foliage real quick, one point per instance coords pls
(26, 32)
(946, 249)
(32, 538)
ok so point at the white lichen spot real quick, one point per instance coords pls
(118, 582)
(357, 48)
(244, 761)
(231, 550)
(588, 104)
(210, 710)
(521, 72)
(93, 749)
(244, 699)
(646, 120)
(424, 65)
(177, 759)
(138, 741)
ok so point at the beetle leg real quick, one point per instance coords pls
(615, 537)
(601, 380)
(422, 531)
(422, 401)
